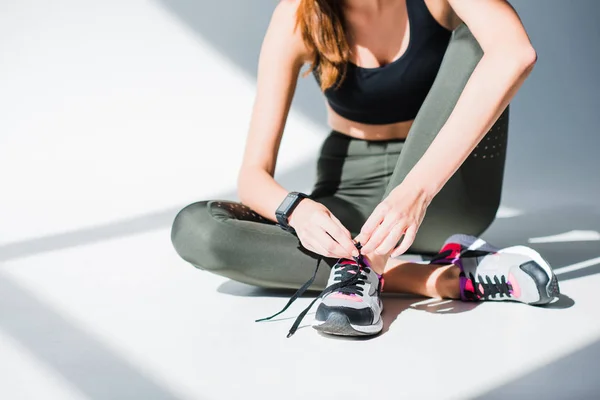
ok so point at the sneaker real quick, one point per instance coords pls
(516, 273)
(351, 304)
(353, 309)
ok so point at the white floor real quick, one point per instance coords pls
(117, 114)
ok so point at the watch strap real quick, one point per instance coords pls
(286, 208)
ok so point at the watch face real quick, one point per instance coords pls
(289, 200)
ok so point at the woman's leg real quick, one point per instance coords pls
(231, 240)
(429, 280)
(469, 201)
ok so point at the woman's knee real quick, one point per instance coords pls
(193, 232)
(440, 224)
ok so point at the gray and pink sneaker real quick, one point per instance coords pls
(354, 307)
(351, 303)
(516, 273)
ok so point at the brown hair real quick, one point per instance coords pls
(323, 29)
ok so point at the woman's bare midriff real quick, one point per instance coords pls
(358, 130)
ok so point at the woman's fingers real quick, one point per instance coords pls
(327, 246)
(321, 232)
(309, 241)
(389, 243)
(341, 235)
(380, 234)
(372, 223)
(407, 241)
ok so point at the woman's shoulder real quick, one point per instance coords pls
(289, 5)
(287, 9)
(284, 25)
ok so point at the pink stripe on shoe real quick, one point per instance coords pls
(337, 295)
(516, 289)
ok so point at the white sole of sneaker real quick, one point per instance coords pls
(371, 329)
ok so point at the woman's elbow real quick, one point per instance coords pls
(519, 59)
(527, 57)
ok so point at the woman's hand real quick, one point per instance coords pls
(320, 231)
(401, 213)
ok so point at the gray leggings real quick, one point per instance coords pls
(353, 176)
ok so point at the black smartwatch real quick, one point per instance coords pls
(285, 209)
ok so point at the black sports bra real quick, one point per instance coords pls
(394, 92)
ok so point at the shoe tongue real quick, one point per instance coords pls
(351, 267)
(452, 248)
(354, 269)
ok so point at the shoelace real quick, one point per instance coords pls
(499, 286)
(346, 271)
(349, 282)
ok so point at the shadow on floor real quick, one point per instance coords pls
(92, 367)
(562, 303)
(393, 306)
(235, 288)
(574, 376)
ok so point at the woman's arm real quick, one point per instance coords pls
(508, 58)
(281, 58)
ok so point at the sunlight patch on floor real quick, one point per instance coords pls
(571, 236)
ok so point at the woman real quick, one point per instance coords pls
(376, 62)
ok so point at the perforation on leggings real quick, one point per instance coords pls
(240, 211)
(493, 144)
